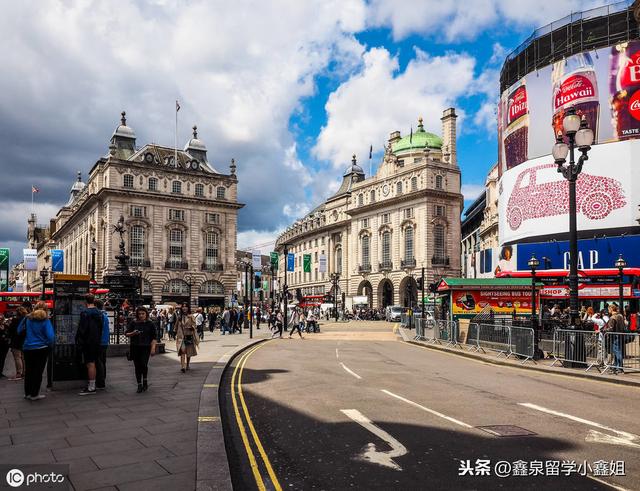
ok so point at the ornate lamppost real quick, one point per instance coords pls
(621, 264)
(533, 265)
(335, 277)
(94, 248)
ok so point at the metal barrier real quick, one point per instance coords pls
(621, 352)
(444, 332)
(575, 349)
(521, 343)
(494, 337)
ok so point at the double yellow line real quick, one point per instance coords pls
(255, 469)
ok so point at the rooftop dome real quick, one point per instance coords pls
(123, 130)
(418, 140)
(78, 185)
(354, 168)
(195, 143)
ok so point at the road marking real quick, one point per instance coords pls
(612, 486)
(254, 434)
(208, 419)
(623, 434)
(371, 453)
(597, 437)
(431, 411)
(350, 371)
(210, 386)
(337, 356)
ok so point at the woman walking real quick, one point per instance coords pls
(171, 323)
(5, 342)
(17, 340)
(142, 344)
(37, 346)
(186, 338)
(297, 321)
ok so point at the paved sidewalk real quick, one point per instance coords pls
(630, 378)
(117, 439)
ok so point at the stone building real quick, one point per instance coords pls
(378, 232)
(180, 217)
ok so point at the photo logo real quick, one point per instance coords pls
(15, 478)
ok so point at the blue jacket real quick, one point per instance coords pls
(105, 329)
(39, 331)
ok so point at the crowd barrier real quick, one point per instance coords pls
(620, 352)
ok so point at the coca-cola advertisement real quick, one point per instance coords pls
(625, 90)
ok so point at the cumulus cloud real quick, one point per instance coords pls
(379, 99)
(471, 191)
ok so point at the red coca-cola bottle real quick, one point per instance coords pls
(516, 131)
(625, 90)
(575, 85)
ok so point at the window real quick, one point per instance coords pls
(372, 196)
(213, 218)
(438, 182)
(401, 163)
(136, 244)
(360, 200)
(153, 184)
(127, 181)
(199, 190)
(408, 212)
(386, 218)
(211, 249)
(365, 257)
(322, 242)
(316, 242)
(220, 192)
(438, 241)
(386, 247)
(408, 243)
(176, 286)
(338, 260)
(176, 245)
(176, 215)
(176, 187)
(139, 211)
(364, 223)
(439, 210)
(399, 187)
(212, 287)
(414, 184)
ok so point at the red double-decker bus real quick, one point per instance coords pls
(10, 301)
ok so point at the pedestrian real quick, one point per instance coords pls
(199, 318)
(240, 321)
(37, 345)
(142, 344)
(617, 326)
(225, 322)
(233, 319)
(89, 340)
(186, 339)
(171, 323)
(296, 322)
(17, 341)
(278, 325)
(211, 317)
(258, 317)
(101, 361)
(5, 342)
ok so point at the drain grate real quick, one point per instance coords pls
(506, 430)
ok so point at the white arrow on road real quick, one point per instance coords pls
(371, 453)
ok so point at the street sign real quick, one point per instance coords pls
(291, 258)
(306, 263)
(323, 263)
(4, 269)
(57, 260)
(274, 260)
(636, 293)
(30, 257)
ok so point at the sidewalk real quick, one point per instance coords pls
(117, 439)
(630, 378)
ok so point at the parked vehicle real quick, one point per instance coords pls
(393, 313)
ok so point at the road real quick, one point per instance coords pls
(355, 407)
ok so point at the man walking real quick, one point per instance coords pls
(101, 361)
(258, 317)
(617, 326)
(199, 318)
(225, 321)
(88, 340)
(295, 323)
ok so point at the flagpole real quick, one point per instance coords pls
(175, 158)
(32, 207)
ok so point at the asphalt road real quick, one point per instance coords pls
(355, 408)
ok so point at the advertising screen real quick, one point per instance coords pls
(602, 85)
(500, 301)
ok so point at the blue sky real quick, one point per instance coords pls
(288, 89)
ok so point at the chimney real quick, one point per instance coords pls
(448, 119)
(394, 137)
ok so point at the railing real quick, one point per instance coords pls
(172, 264)
(440, 261)
(385, 266)
(621, 352)
(408, 263)
(211, 267)
(364, 268)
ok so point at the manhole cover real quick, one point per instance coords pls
(506, 430)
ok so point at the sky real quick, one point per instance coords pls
(288, 89)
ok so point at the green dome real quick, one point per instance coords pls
(420, 139)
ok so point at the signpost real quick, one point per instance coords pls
(4, 269)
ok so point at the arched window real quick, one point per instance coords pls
(176, 246)
(360, 199)
(212, 287)
(386, 248)
(176, 286)
(365, 257)
(136, 245)
(176, 187)
(146, 287)
(438, 181)
(220, 192)
(399, 187)
(211, 249)
(338, 263)
(127, 181)
(153, 184)
(372, 196)
(414, 184)
(199, 190)
(438, 242)
(408, 244)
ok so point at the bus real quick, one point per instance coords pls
(10, 301)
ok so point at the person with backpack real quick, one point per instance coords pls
(101, 361)
(37, 345)
(89, 340)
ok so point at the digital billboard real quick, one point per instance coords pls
(603, 85)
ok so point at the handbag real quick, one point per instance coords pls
(188, 340)
(128, 354)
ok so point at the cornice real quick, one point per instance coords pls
(405, 197)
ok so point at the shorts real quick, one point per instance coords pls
(90, 353)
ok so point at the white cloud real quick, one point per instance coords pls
(379, 99)
(254, 239)
(471, 191)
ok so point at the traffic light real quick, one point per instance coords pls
(299, 294)
(420, 282)
(256, 282)
(261, 295)
(433, 287)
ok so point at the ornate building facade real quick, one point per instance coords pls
(180, 216)
(378, 232)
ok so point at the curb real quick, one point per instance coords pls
(212, 464)
(494, 361)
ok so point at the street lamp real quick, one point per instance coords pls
(580, 136)
(335, 277)
(621, 264)
(94, 247)
(44, 273)
(188, 279)
(533, 264)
